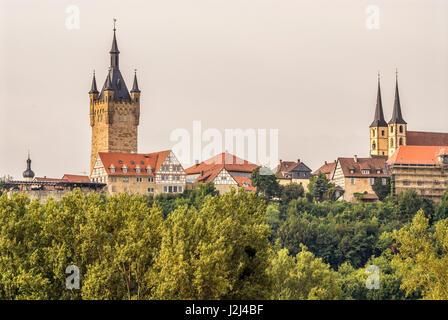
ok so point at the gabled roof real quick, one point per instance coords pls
(245, 182)
(289, 166)
(423, 155)
(223, 160)
(131, 161)
(417, 138)
(327, 169)
(371, 164)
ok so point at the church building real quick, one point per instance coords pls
(387, 137)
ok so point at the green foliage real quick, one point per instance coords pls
(382, 190)
(266, 184)
(302, 277)
(320, 188)
(423, 257)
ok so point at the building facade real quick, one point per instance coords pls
(145, 173)
(293, 172)
(420, 168)
(225, 170)
(357, 175)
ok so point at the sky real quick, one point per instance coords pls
(305, 67)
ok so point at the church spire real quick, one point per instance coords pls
(114, 52)
(378, 120)
(93, 89)
(397, 117)
(135, 85)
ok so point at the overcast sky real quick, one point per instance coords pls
(307, 68)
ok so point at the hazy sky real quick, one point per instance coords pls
(307, 68)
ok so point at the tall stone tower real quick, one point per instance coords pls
(114, 112)
(378, 129)
(397, 125)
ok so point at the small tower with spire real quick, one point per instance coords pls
(397, 125)
(115, 111)
(28, 174)
(378, 129)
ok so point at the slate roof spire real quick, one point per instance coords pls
(93, 89)
(28, 173)
(397, 117)
(108, 84)
(114, 52)
(135, 85)
(378, 120)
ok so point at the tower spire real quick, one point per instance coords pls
(378, 120)
(135, 85)
(108, 84)
(93, 88)
(397, 117)
(28, 174)
(114, 52)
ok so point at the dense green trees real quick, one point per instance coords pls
(199, 245)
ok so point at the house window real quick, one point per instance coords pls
(139, 179)
(352, 171)
(179, 189)
(137, 170)
(150, 189)
(112, 170)
(372, 181)
(170, 189)
(365, 171)
(352, 180)
(383, 181)
(125, 170)
(125, 179)
(175, 189)
(165, 189)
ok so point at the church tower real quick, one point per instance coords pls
(114, 112)
(378, 129)
(397, 125)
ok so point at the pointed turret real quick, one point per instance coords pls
(108, 84)
(93, 89)
(378, 120)
(135, 84)
(114, 52)
(397, 117)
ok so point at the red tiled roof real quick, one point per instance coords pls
(132, 160)
(75, 178)
(285, 167)
(373, 164)
(417, 155)
(245, 182)
(327, 169)
(223, 160)
(45, 179)
(417, 138)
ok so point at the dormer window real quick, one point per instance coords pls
(352, 171)
(124, 169)
(137, 169)
(112, 168)
(365, 171)
(378, 171)
(148, 169)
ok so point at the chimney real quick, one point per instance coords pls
(298, 160)
(325, 161)
(196, 162)
(355, 158)
(202, 172)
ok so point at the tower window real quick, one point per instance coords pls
(382, 133)
(401, 141)
(373, 146)
(401, 129)
(391, 129)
